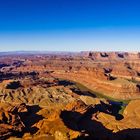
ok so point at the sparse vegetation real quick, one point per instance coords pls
(79, 102)
(83, 88)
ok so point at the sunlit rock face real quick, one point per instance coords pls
(11, 123)
(88, 95)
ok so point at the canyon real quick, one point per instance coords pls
(70, 96)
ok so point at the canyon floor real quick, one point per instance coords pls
(70, 96)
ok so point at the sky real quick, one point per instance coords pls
(70, 25)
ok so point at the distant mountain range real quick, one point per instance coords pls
(82, 53)
(36, 52)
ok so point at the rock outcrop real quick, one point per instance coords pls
(10, 120)
(88, 95)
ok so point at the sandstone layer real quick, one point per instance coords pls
(87, 95)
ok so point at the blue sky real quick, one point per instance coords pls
(70, 25)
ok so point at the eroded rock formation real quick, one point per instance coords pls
(88, 95)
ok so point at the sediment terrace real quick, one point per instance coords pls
(87, 95)
(114, 74)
